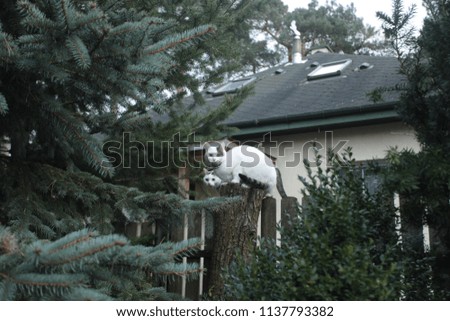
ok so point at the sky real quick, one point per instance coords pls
(366, 9)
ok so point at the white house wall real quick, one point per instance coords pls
(367, 143)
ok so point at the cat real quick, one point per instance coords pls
(212, 180)
(240, 161)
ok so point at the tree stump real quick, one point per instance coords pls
(235, 232)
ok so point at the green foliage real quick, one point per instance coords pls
(426, 103)
(75, 74)
(84, 265)
(335, 26)
(423, 183)
(342, 246)
(423, 178)
(233, 49)
(397, 28)
(332, 25)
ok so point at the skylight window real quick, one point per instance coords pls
(233, 86)
(330, 69)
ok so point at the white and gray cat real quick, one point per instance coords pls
(240, 163)
(211, 179)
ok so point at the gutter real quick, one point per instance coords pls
(341, 119)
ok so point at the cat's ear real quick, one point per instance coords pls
(231, 145)
(206, 146)
(228, 144)
(221, 150)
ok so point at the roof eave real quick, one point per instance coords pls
(347, 117)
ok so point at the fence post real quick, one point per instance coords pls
(289, 211)
(269, 218)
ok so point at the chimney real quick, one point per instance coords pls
(296, 45)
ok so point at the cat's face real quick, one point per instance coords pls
(212, 180)
(212, 154)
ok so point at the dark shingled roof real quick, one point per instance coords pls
(287, 96)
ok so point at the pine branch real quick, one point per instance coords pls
(83, 294)
(79, 51)
(73, 131)
(171, 42)
(186, 248)
(86, 20)
(134, 121)
(125, 28)
(159, 63)
(36, 280)
(62, 7)
(178, 270)
(8, 289)
(84, 249)
(7, 49)
(71, 240)
(33, 17)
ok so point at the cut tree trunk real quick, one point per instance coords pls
(235, 232)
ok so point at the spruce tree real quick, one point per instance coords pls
(74, 74)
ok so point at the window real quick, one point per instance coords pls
(233, 86)
(329, 69)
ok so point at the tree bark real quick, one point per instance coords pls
(235, 232)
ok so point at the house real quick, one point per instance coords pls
(324, 100)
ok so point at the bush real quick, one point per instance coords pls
(343, 246)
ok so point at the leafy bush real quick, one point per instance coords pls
(343, 246)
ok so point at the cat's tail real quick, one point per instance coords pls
(259, 185)
(252, 182)
(280, 186)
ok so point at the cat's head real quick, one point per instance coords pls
(214, 156)
(212, 180)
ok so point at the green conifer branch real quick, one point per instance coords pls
(79, 51)
(33, 17)
(8, 289)
(84, 294)
(93, 16)
(178, 270)
(73, 131)
(67, 267)
(71, 240)
(124, 28)
(7, 45)
(186, 248)
(35, 280)
(184, 37)
(134, 121)
(86, 248)
(63, 9)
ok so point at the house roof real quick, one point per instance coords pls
(285, 100)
